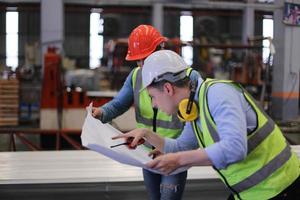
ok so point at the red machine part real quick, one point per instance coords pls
(75, 99)
(52, 84)
(53, 94)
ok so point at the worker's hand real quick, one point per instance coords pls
(155, 153)
(137, 134)
(165, 163)
(96, 112)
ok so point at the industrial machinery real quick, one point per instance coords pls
(64, 108)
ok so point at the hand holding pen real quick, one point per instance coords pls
(128, 142)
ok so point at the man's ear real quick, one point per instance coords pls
(168, 87)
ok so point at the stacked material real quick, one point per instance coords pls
(9, 102)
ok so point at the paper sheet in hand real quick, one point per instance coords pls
(97, 136)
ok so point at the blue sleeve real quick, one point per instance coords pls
(194, 75)
(227, 107)
(120, 103)
(186, 141)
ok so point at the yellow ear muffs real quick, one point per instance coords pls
(184, 114)
(187, 108)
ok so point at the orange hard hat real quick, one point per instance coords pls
(142, 41)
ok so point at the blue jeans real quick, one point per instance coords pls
(160, 187)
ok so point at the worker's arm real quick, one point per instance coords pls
(169, 162)
(185, 141)
(120, 103)
(194, 76)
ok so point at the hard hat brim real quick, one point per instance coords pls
(141, 56)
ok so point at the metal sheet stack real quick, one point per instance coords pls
(9, 102)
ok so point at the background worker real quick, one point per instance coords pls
(144, 40)
(237, 138)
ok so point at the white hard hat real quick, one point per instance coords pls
(163, 62)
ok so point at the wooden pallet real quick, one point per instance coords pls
(9, 102)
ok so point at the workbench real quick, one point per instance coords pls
(84, 174)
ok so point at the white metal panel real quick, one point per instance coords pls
(76, 166)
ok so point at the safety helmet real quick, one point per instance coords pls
(142, 41)
(163, 65)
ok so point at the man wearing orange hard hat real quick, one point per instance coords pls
(143, 41)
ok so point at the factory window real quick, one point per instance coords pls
(186, 35)
(96, 39)
(267, 32)
(12, 39)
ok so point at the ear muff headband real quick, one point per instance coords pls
(187, 108)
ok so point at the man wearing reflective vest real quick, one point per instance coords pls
(235, 136)
(144, 40)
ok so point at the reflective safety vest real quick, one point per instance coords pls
(166, 125)
(269, 167)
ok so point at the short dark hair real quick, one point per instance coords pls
(180, 83)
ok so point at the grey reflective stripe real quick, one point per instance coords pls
(246, 93)
(174, 124)
(159, 123)
(136, 91)
(264, 131)
(260, 135)
(213, 132)
(265, 171)
(255, 102)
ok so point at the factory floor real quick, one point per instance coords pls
(207, 189)
(88, 175)
(77, 175)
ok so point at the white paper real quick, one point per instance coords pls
(97, 137)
